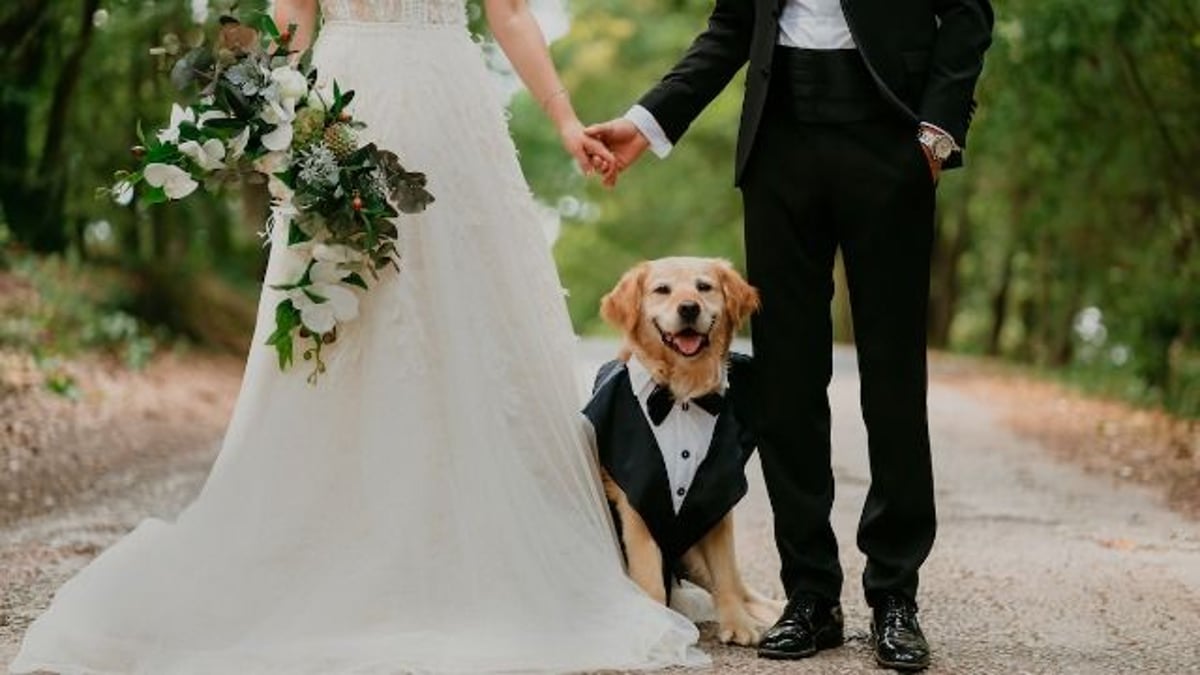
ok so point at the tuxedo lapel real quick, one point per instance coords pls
(720, 480)
(652, 486)
(629, 451)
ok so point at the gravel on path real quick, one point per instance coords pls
(1039, 567)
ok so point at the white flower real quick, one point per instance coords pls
(279, 139)
(237, 145)
(209, 156)
(338, 305)
(292, 84)
(211, 115)
(179, 115)
(325, 272)
(278, 112)
(122, 193)
(176, 182)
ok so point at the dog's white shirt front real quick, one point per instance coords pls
(683, 437)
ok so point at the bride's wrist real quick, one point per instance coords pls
(561, 113)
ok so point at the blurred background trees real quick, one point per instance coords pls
(1069, 242)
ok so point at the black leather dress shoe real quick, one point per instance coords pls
(896, 635)
(808, 625)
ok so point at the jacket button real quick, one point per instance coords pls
(681, 492)
(765, 72)
(687, 454)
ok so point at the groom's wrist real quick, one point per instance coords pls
(649, 127)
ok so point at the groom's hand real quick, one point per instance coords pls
(624, 140)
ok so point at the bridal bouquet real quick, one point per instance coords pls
(256, 109)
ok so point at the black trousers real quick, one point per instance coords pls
(833, 167)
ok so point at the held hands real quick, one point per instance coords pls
(625, 143)
(590, 154)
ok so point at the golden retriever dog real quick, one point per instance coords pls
(678, 316)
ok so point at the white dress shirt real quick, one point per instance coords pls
(683, 437)
(814, 24)
(804, 24)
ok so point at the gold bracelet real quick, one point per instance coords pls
(558, 92)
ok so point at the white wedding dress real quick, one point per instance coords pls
(430, 505)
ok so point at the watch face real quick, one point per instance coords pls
(942, 147)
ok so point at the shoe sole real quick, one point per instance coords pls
(903, 667)
(822, 644)
(898, 666)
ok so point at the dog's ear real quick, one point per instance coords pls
(622, 307)
(741, 298)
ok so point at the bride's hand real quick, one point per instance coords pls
(590, 154)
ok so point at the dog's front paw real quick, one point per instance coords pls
(736, 626)
(764, 610)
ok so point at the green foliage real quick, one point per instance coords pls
(687, 205)
(1080, 189)
(55, 307)
(1080, 196)
(1079, 192)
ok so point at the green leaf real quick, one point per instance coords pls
(356, 280)
(225, 123)
(154, 195)
(295, 234)
(286, 352)
(265, 24)
(163, 153)
(287, 319)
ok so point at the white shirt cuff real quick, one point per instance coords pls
(660, 145)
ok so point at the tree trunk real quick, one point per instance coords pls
(944, 283)
(999, 303)
(35, 198)
(23, 41)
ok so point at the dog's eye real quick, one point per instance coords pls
(662, 289)
(703, 286)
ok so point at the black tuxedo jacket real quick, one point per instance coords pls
(925, 55)
(628, 451)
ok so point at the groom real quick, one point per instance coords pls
(852, 109)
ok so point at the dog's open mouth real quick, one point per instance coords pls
(688, 342)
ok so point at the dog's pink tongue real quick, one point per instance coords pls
(689, 343)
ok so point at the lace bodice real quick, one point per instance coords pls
(415, 12)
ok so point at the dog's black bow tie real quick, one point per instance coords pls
(662, 400)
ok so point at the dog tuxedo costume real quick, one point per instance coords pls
(681, 464)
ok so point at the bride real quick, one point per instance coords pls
(430, 506)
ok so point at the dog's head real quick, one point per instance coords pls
(679, 316)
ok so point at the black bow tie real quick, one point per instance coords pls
(662, 400)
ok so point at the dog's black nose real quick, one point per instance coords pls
(689, 311)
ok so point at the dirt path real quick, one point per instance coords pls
(1040, 567)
